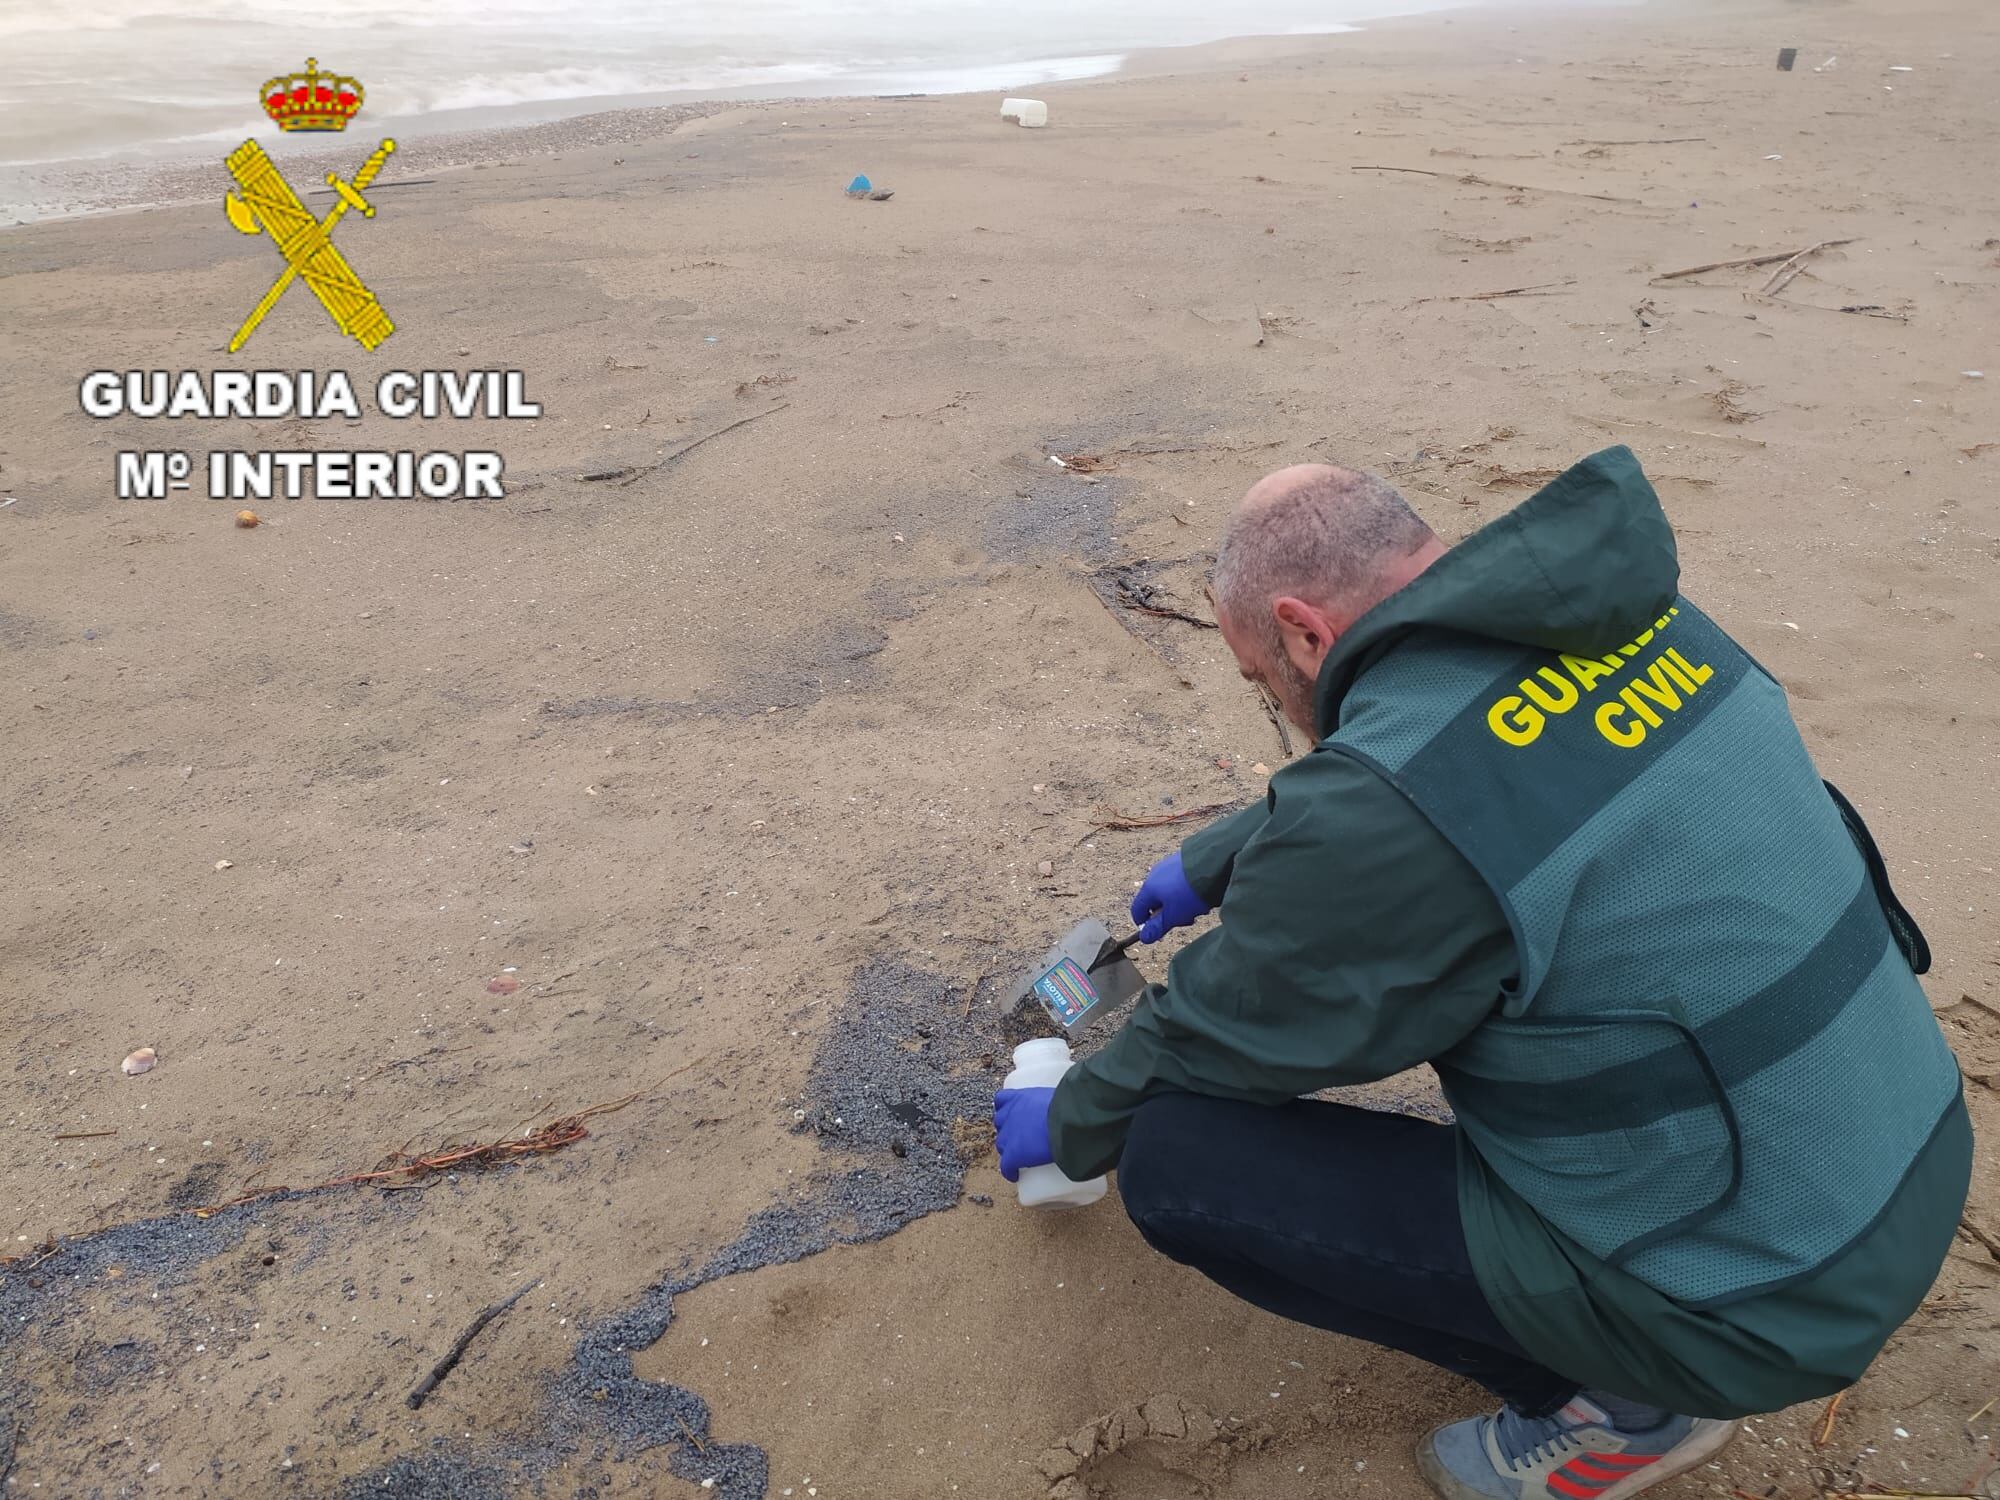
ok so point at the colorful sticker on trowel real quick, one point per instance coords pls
(1066, 992)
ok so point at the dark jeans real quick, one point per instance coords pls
(1339, 1217)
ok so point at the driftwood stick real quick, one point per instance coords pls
(1973, 1232)
(1782, 277)
(1162, 612)
(1277, 718)
(1512, 291)
(1747, 260)
(1668, 140)
(756, 416)
(641, 472)
(1969, 1421)
(457, 1351)
(1473, 179)
(1111, 820)
(1139, 452)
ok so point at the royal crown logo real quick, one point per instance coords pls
(312, 100)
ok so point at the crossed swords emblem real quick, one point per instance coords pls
(267, 204)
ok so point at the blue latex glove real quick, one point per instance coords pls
(1166, 900)
(1021, 1129)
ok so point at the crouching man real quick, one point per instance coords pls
(1558, 838)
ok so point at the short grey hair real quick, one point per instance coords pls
(1326, 540)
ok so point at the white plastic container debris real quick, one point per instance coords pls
(1040, 1064)
(1031, 113)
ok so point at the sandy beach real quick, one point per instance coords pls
(793, 700)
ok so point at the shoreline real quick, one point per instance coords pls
(173, 184)
(95, 187)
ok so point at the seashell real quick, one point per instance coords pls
(247, 518)
(502, 984)
(139, 1062)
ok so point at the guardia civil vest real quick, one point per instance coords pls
(1715, 1067)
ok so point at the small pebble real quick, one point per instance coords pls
(502, 984)
(225, 864)
(248, 518)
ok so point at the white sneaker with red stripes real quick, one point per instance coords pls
(1576, 1454)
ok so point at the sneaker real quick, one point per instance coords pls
(1577, 1454)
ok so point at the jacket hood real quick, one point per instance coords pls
(1582, 565)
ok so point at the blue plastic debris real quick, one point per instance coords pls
(860, 184)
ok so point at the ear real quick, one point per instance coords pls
(1306, 632)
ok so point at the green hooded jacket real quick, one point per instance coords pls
(1356, 942)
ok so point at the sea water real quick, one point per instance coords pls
(99, 79)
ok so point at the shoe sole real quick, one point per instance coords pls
(1437, 1476)
(1708, 1438)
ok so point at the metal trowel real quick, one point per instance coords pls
(1083, 976)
